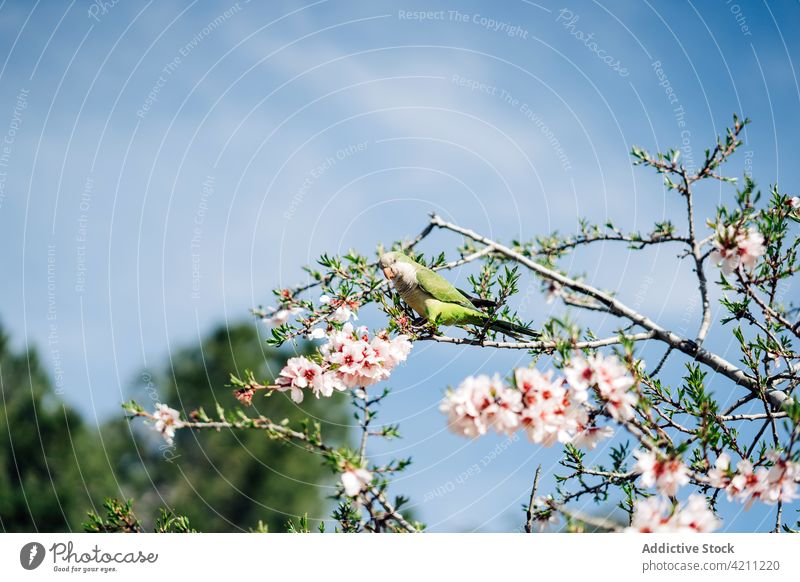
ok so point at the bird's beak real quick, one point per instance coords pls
(388, 273)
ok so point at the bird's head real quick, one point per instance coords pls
(390, 261)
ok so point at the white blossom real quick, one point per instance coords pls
(343, 314)
(355, 480)
(278, 317)
(657, 515)
(317, 333)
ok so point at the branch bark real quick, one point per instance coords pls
(280, 431)
(615, 306)
(544, 346)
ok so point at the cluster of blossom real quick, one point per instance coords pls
(350, 359)
(665, 474)
(549, 409)
(611, 380)
(735, 246)
(553, 411)
(659, 515)
(481, 402)
(167, 420)
(748, 484)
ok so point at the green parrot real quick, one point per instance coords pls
(435, 299)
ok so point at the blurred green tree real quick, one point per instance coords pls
(225, 481)
(52, 466)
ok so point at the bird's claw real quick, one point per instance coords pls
(423, 328)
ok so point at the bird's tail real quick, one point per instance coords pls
(514, 330)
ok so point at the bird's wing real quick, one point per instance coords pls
(478, 301)
(440, 288)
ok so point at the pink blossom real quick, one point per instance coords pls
(503, 414)
(391, 351)
(611, 379)
(650, 515)
(613, 384)
(354, 358)
(359, 361)
(550, 414)
(167, 420)
(548, 409)
(331, 382)
(342, 314)
(735, 247)
(299, 373)
(746, 484)
(337, 338)
(481, 402)
(358, 364)
(658, 515)
(667, 475)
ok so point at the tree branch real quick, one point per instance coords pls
(713, 361)
(544, 346)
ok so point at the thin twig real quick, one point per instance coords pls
(529, 512)
(661, 362)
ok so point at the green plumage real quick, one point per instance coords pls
(434, 298)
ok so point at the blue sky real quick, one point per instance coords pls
(170, 164)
